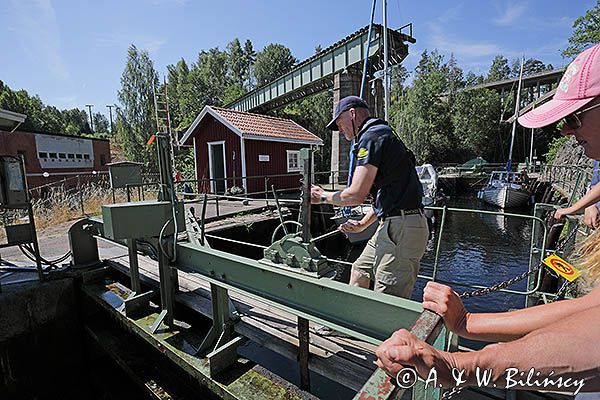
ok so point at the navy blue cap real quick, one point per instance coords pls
(345, 104)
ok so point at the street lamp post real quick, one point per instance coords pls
(89, 106)
(110, 106)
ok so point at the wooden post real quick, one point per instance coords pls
(80, 192)
(303, 353)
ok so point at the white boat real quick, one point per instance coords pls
(428, 177)
(357, 213)
(504, 190)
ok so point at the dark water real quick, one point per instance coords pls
(480, 249)
(476, 249)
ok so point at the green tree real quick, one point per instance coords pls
(272, 62)
(313, 113)
(533, 66)
(250, 58)
(399, 74)
(233, 92)
(530, 66)
(135, 117)
(454, 76)
(76, 122)
(586, 32)
(422, 117)
(51, 120)
(499, 69)
(209, 77)
(100, 123)
(474, 121)
(238, 67)
(180, 92)
(40, 117)
(473, 79)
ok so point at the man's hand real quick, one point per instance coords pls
(591, 217)
(444, 301)
(404, 349)
(352, 226)
(315, 194)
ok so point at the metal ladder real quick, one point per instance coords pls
(163, 120)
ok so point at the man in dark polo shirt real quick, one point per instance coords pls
(385, 168)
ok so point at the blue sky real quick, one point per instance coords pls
(72, 53)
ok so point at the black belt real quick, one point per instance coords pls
(402, 212)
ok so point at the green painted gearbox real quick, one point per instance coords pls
(141, 219)
(291, 253)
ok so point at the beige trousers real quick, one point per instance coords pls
(391, 257)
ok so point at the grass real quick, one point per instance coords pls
(60, 204)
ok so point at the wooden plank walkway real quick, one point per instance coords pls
(344, 360)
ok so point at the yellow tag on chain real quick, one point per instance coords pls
(562, 267)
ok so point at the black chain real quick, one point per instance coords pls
(512, 281)
(494, 288)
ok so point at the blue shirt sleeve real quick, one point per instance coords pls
(596, 178)
(595, 173)
(369, 150)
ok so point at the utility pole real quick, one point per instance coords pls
(110, 106)
(89, 106)
(386, 76)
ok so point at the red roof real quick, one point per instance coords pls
(249, 125)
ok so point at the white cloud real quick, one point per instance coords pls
(452, 14)
(35, 25)
(66, 102)
(461, 48)
(509, 15)
(123, 41)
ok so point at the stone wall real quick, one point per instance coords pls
(564, 173)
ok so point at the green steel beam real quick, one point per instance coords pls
(380, 386)
(316, 73)
(359, 312)
(362, 313)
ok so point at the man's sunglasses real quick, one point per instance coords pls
(572, 121)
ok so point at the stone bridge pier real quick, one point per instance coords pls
(347, 83)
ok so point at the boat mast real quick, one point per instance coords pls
(514, 127)
(386, 86)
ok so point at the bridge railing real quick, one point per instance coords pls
(571, 180)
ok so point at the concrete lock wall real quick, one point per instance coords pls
(41, 354)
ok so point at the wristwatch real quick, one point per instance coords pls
(323, 198)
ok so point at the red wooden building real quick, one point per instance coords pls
(235, 148)
(51, 157)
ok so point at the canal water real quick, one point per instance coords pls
(480, 249)
(476, 249)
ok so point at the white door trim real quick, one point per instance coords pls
(196, 165)
(210, 168)
(243, 157)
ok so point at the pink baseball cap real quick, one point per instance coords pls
(579, 85)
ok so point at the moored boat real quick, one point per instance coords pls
(504, 190)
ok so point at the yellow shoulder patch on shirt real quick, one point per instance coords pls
(362, 153)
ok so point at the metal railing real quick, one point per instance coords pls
(459, 170)
(571, 180)
(537, 249)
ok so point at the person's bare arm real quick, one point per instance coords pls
(362, 181)
(591, 197)
(353, 226)
(565, 349)
(505, 326)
